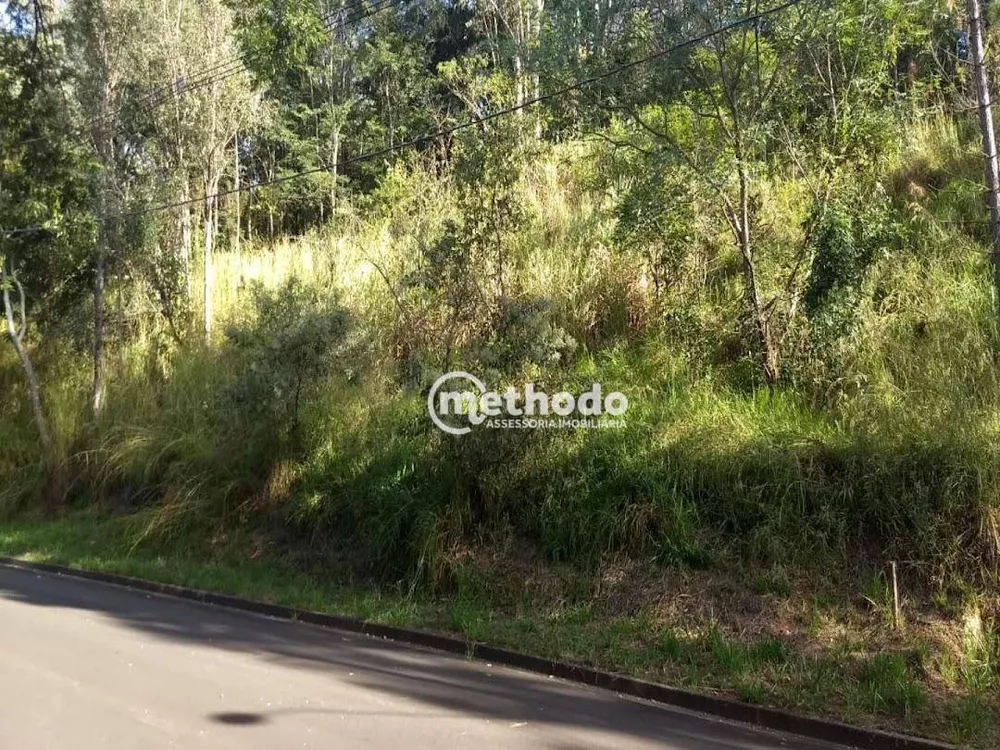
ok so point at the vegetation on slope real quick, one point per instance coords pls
(811, 371)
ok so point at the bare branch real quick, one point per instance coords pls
(598, 135)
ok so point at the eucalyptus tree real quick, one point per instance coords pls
(222, 108)
(306, 53)
(512, 30)
(173, 60)
(105, 36)
(45, 233)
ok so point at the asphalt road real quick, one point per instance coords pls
(85, 666)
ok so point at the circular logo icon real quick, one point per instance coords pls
(454, 397)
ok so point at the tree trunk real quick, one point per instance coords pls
(97, 386)
(187, 238)
(104, 142)
(518, 84)
(768, 351)
(207, 276)
(236, 197)
(17, 339)
(988, 135)
(215, 219)
(336, 171)
(535, 78)
(392, 121)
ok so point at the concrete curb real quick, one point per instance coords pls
(768, 718)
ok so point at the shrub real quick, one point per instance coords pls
(295, 338)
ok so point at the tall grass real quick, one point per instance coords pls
(885, 447)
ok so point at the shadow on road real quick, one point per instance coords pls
(448, 683)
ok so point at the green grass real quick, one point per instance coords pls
(886, 685)
(881, 443)
(880, 689)
(774, 582)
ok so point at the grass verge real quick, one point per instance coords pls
(759, 637)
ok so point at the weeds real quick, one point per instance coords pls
(308, 424)
(882, 687)
(887, 685)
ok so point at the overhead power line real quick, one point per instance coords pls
(236, 65)
(227, 68)
(472, 122)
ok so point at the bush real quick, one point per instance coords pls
(295, 338)
(845, 237)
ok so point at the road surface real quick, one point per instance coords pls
(86, 666)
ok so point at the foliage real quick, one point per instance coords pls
(793, 203)
(844, 241)
(44, 175)
(294, 339)
(657, 215)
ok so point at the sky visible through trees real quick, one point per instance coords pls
(240, 241)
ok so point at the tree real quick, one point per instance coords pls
(172, 63)
(305, 53)
(717, 117)
(105, 33)
(806, 91)
(44, 232)
(512, 28)
(224, 108)
(16, 331)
